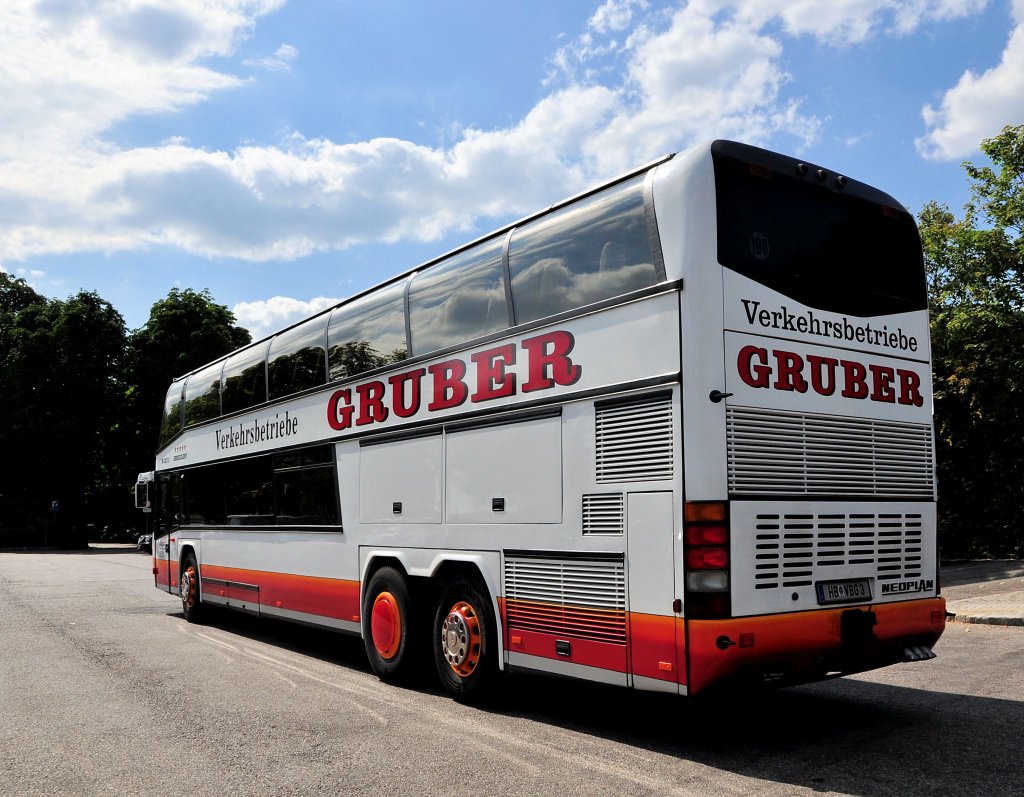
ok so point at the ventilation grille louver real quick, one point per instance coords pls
(795, 550)
(772, 452)
(570, 596)
(634, 441)
(604, 514)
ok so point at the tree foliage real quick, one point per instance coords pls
(60, 401)
(81, 399)
(976, 287)
(185, 330)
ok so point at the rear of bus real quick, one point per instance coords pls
(810, 520)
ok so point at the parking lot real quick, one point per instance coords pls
(107, 690)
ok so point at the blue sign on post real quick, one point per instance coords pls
(55, 505)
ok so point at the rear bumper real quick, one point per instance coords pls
(800, 647)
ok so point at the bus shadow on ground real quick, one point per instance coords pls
(848, 736)
(845, 736)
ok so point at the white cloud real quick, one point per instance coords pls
(72, 70)
(263, 317)
(616, 15)
(638, 82)
(978, 106)
(280, 61)
(843, 21)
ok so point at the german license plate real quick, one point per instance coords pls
(849, 591)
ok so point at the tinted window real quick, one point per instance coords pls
(249, 490)
(304, 486)
(204, 490)
(294, 489)
(593, 250)
(298, 358)
(458, 300)
(825, 248)
(245, 379)
(170, 424)
(202, 395)
(170, 506)
(367, 333)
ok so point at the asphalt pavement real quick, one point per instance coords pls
(990, 592)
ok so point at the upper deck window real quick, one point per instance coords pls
(202, 395)
(244, 382)
(593, 250)
(367, 333)
(459, 299)
(170, 424)
(298, 358)
(839, 250)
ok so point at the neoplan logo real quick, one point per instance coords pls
(901, 587)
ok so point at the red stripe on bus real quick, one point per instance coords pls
(646, 646)
(653, 641)
(324, 597)
(165, 573)
(587, 652)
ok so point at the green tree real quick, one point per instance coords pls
(62, 363)
(185, 330)
(976, 281)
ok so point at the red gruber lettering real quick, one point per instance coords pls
(340, 409)
(855, 378)
(397, 382)
(401, 394)
(910, 387)
(755, 375)
(881, 383)
(371, 403)
(789, 372)
(492, 381)
(793, 372)
(449, 388)
(820, 366)
(550, 365)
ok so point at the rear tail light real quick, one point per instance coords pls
(707, 559)
(706, 556)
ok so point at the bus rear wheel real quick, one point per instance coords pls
(464, 640)
(387, 625)
(188, 587)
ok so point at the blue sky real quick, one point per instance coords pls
(287, 154)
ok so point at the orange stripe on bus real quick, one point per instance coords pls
(316, 595)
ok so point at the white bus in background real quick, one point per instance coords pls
(673, 433)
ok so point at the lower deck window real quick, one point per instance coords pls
(294, 489)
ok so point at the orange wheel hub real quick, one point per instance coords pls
(386, 625)
(189, 588)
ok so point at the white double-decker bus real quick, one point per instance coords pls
(670, 434)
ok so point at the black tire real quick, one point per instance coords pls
(464, 640)
(388, 626)
(190, 591)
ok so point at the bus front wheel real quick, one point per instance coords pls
(465, 640)
(387, 625)
(188, 586)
